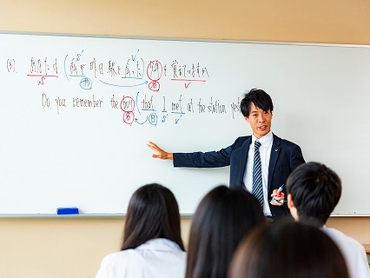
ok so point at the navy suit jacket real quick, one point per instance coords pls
(285, 157)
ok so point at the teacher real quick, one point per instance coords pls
(259, 163)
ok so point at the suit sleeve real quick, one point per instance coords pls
(210, 159)
(296, 158)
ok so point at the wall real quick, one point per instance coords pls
(329, 21)
(73, 247)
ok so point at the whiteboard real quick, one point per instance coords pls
(77, 111)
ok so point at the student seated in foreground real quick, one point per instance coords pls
(288, 250)
(152, 245)
(313, 192)
(223, 217)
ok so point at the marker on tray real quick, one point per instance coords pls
(278, 193)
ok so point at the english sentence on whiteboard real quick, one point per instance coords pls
(144, 110)
(132, 73)
(129, 74)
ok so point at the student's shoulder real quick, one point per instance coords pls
(119, 257)
(118, 263)
(340, 237)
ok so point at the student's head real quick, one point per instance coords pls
(221, 220)
(288, 250)
(313, 192)
(256, 107)
(152, 212)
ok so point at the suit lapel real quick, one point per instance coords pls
(244, 150)
(275, 151)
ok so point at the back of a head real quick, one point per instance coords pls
(288, 250)
(221, 220)
(259, 98)
(152, 212)
(315, 191)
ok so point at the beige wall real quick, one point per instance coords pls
(332, 21)
(73, 247)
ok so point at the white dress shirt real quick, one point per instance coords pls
(265, 152)
(353, 252)
(156, 258)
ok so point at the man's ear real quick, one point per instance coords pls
(292, 208)
(290, 202)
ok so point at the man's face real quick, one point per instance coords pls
(259, 120)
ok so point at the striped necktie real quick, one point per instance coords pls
(257, 190)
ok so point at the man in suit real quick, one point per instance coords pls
(278, 157)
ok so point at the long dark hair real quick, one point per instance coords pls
(152, 212)
(221, 220)
(288, 250)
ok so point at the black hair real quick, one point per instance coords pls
(288, 250)
(221, 220)
(315, 191)
(259, 98)
(152, 212)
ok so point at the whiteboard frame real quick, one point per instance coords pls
(185, 215)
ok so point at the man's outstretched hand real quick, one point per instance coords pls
(159, 153)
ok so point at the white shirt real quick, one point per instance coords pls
(156, 258)
(265, 152)
(353, 252)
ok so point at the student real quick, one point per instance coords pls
(288, 250)
(221, 220)
(152, 245)
(278, 157)
(313, 192)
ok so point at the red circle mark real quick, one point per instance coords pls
(154, 86)
(155, 69)
(129, 102)
(128, 117)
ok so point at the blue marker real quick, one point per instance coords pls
(67, 211)
(278, 193)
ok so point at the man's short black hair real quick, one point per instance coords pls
(259, 98)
